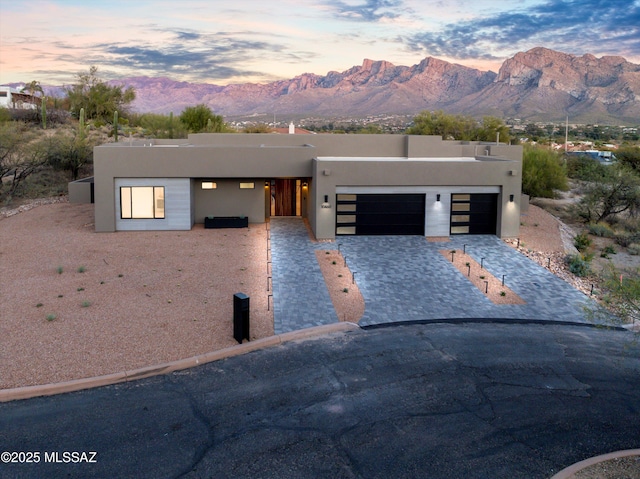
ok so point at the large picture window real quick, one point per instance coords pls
(142, 202)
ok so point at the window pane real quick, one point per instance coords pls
(346, 218)
(460, 218)
(346, 230)
(158, 196)
(460, 207)
(247, 186)
(125, 202)
(346, 208)
(458, 197)
(142, 202)
(459, 229)
(347, 197)
(209, 185)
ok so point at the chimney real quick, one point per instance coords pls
(292, 128)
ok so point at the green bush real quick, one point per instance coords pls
(542, 173)
(582, 242)
(600, 229)
(585, 168)
(578, 265)
(634, 249)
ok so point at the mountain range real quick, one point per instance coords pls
(540, 84)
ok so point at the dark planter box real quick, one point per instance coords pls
(226, 222)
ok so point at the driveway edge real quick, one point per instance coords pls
(578, 466)
(28, 392)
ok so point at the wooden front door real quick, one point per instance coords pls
(285, 197)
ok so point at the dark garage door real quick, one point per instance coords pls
(474, 213)
(380, 214)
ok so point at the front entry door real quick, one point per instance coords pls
(285, 198)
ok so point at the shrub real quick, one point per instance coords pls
(81, 269)
(542, 173)
(600, 229)
(582, 242)
(578, 265)
(624, 239)
(51, 317)
(59, 269)
(634, 249)
(609, 250)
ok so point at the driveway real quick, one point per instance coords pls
(405, 278)
(443, 400)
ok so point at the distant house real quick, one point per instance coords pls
(342, 184)
(14, 98)
(604, 157)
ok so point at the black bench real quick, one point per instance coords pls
(226, 222)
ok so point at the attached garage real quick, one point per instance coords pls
(474, 213)
(380, 214)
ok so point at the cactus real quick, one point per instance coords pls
(44, 112)
(115, 125)
(81, 128)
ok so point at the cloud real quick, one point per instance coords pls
(196, 55)
(367, 10)
(596, 26)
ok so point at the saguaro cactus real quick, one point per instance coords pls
(44, 112)
(81, 129)
(115, 125)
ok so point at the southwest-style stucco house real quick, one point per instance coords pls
(343, 184)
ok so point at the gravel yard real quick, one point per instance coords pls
(76, 303)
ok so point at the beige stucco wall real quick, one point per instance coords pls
(451, 173)
(221, 157)
(229, 200)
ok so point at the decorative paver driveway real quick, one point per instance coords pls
(405, 278)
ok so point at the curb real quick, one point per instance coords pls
(28, 392)
(578, 466)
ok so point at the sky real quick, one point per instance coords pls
(236, 41)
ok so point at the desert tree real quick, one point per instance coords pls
(543, 173)
(615, 192)
(22, 154)
(200, 118)
(99, 99)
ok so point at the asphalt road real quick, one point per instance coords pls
(468, 400)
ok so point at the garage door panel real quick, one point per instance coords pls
(474, 213)
(380, 214)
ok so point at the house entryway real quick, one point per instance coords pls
(286, 197)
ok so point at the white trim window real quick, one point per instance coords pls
(142, 202)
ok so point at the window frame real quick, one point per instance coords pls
(157, 203)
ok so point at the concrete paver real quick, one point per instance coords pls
(405, 278)
(300, 295)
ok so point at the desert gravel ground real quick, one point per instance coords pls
(142, 298)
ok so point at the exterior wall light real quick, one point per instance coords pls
(326, 203)
(266, 183)
(304, 184)
(510, 198)
(438, 197)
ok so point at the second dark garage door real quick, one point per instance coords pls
(380, 214)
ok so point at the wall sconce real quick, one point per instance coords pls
(304, 184)
(326, 203)
(510, 198)
(266, 183)
(438, 197)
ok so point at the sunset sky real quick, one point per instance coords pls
(235, 41)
